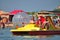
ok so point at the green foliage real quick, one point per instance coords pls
(56, 9)
(31, 13)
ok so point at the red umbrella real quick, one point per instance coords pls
(16, 11)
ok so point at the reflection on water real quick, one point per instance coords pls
(5, 34)
(39, 36)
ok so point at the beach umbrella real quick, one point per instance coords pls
(15, 12)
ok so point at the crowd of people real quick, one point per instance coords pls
(41, 22)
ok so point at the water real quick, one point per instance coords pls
(5, 34)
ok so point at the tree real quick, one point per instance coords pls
(57, 9)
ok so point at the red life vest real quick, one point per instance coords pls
(40, 19)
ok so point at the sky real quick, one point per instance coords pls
(28, 5)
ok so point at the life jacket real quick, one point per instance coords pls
(41, 19)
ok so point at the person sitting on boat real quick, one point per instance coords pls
(41, 21)
(47, 25)
(55, 21)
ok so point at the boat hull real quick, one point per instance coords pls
(36, 32)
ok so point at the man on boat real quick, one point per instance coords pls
(41, 21)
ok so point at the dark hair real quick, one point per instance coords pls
(0, 18)
(5, 18)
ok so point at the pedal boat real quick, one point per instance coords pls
(32, 29)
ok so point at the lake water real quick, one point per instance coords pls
(5, 34)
